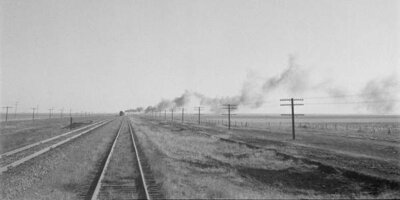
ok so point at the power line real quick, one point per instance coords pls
(346, 95)
(355, 102)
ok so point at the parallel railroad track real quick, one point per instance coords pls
(19, 156)
(135, 181)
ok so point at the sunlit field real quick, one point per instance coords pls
(380, 127)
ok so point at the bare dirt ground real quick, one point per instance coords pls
(66, 172)
(373, 157)
(191, 164)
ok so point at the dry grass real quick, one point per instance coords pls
(372, 157)
(20, 133)
(194, 166)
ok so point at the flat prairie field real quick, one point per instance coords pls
(330, 157)
(379, 127)
(18, 133)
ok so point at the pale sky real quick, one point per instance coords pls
(106, 56)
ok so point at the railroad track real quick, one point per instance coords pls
(125, 173)
(20, 155)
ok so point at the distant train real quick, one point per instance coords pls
(121, 113)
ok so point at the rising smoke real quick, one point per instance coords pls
(382, 94)
(293, 80)
(251, 94)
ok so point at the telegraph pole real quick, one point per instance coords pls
(37, 110)
(172, 114)
(33, 114)
(229, 107)
(7, 107)
(183, 114)
(15, 113)
(198, 114)
(229, 116)
(292, 104)
(50, 110)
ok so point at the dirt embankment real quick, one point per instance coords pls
(193, 165)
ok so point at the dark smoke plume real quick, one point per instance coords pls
(149, 109)
(164, 105)
(251, 94)
(293, 81)
(138, 109)
(294, 78)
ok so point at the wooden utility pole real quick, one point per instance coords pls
(183, 114)
(33, 114)
(230, 108)
(15, 113)
(199, 113)
(292, 104)
(7, 107)
(50, 110)
(70, 123)
(172, 114)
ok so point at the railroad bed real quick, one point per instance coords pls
(20, 155)
(125, 174)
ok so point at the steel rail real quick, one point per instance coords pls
(139, 162)
(46, 140)
(31, 156)
(98, 185)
